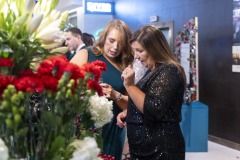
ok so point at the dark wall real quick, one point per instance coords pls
(219, 86)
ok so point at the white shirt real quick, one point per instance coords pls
(79, 47)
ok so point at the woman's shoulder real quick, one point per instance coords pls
(94, 50)
(168, 68)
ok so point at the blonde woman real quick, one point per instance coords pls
(114, 49)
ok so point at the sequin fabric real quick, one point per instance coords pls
(156, 134)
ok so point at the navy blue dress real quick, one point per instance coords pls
(113, 136)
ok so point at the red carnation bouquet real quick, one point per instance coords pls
(38, 109)
(46, 103)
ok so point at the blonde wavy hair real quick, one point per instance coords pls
(126, 55)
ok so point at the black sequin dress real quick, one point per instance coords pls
(156, 134)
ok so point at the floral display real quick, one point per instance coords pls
(85, 149)
(48, 106)
(101, 110)
(3, 150)
(188, 35)
(28, 31)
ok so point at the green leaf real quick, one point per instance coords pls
(52, 119)
(99, 141)
(88, 75)
(53, 4)
(59, 142)
(22, 132)
(68, 152)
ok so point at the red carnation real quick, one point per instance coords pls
(6, 62)
(95, 86)
(28, 84)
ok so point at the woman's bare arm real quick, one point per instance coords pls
(80, 58)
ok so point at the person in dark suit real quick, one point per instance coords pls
(74, 41)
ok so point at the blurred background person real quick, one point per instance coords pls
(88, 39)
(73, 41)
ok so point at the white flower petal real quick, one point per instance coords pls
(101, 110)
(86, 149)
(35, 22)
(3, 151)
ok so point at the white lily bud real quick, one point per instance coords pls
(54, 4)
(61, 50)
(35, 22)
(20, 21)
(48, 34)
(54, 15)
(55, 23)
(46, 31)
(51, 45)
(20, 7)
(36, 8)
(45, 6)
(48, 8)
(64, 16)
(45, 22)
(29, 5)
(2, 5)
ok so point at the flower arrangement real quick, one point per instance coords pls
(41, 125)
(28, 30)
(48, 106)
(188, 35)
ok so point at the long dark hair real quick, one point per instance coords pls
(156, 45)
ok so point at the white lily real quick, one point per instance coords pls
(54, 24)
(2, 5)
(7, 7)
(21, 21)
(35, 22)
(37, 8)
(20, 7)
(54, 15)
(45, 22)
(61, 50)
(29, 5)
(48, 34)
(43, 5)
(51, 45)
(47, 8)
(48, 23)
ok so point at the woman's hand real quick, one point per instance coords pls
(121, 117)
(108, 91)
(128, 76)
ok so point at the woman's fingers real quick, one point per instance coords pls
(108, 91)
(121, 119)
